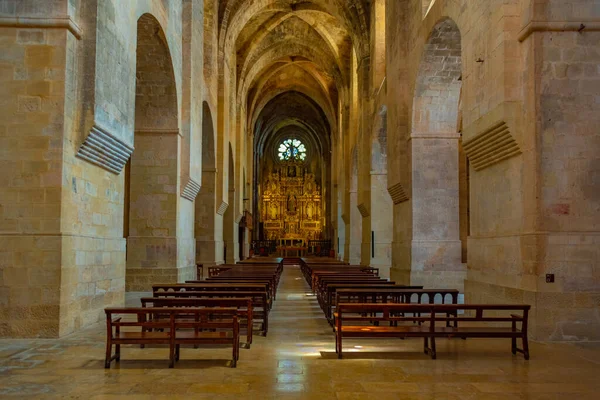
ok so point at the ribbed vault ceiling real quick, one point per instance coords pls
(292, 61)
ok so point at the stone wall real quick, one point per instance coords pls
(63, 215)
(527, 117)
(33, 64)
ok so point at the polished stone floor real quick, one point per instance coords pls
(297, 361)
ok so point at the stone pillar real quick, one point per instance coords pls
(207, 248)
(230, 231)
(382, 224)
(36, 113)
(152, 251)
(355, 234)
(364, 156)
(436, 246)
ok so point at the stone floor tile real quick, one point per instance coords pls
(297, 361)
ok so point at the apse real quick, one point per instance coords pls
(292, 170)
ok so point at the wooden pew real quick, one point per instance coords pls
(211, 286)
(399, 294)
(319, 281)
(326, 291)
(332, 288)
(443, 320)
(243, 306)
(181, 326)
(260, 301)
(268, 282)
(308, 269)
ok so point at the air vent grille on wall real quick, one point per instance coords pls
(190, 191)
(491, 146)
(398, 193)
(362, 208)
(105, 150)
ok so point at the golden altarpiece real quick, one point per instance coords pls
(291, 199)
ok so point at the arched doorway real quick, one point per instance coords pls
(151, 178)
(436, 245)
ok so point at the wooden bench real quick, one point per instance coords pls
(363, 293)
(308, 270)
(260, 301)
(215, 271)
(326, 295)
(180, 326)
(443, 320)
(243, 306)
(269, 284)
(321, 281)
(212, 286)
(316, 276)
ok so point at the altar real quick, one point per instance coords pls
(292, 247)
(291, 206)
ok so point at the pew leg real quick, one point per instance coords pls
(171, 356)
(426, 345)
(266, 323)
(336, 342)
(118, 352)
(339, 344)
(525, 347)
(108, 358)
(514, 345)
(142, 346)
(433, 350)
(234, 355)
(177, 350)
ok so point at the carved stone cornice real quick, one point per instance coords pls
(492, 138)
(222, 208)
(397, 193)
(238, 218)
(364, 211)
(105, 150)
(557, 26)
(190, 190)
(65, 22)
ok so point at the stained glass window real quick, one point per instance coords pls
(292, 149)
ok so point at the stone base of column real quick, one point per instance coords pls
(233, 252)
(150, 260)
(384, 270)
(209, 253)
(439, 279)
(437, 264)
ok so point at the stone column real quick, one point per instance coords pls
(364, 157)
(152, 245)
(355, 227)
(382, 223)
(207, 245)
(230, 231)
(32, 128)
(436, 246)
